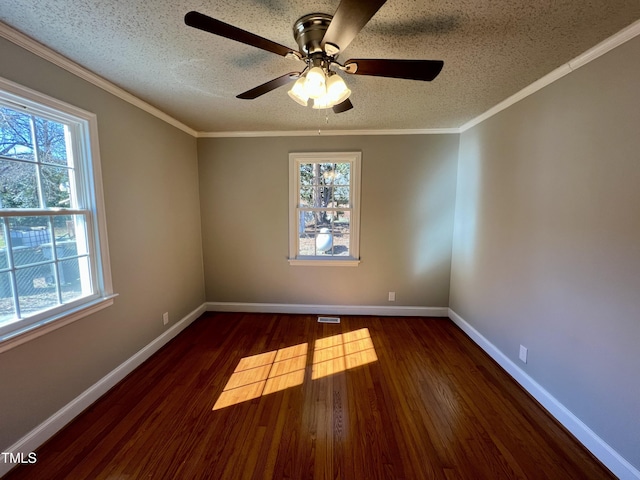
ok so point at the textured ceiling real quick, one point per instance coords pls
(491, 49)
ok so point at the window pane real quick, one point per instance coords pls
(343, 219)
(341, 196)
(307, 221)
(52, 145)
(324, 241)
(4, 262)
(306, 174)
(306, 197)
(316, 219)
(326, 196)
(15, 134)
(36, 289)
(342, 234)
(73, 274)
(69, 272)
(343, 174)
(307, 244)
(30, 240)
(56, 186)
(307, 233)
(71, 239)
(7, 310)
(327, 173)
(18, 185)
(322, 196)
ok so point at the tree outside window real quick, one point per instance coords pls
(324, 206)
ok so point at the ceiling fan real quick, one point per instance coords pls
(321, 38)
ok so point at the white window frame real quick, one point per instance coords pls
(295, 159)
(83, 127)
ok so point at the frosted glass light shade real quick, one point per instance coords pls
(326, 89)
(337, 90)
(316, 83)
(322, 102)
(298, 92)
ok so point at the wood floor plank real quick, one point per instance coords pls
(369, 398)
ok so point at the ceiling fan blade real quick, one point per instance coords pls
(267, 87)
(211, 25)
(343, 107)
(348, 20)
(425, 70)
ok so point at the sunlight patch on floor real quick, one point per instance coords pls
(263, 374)
(277, 370)
(341, 352)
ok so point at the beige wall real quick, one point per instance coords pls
(408, 193)
(547, 240)
(150, 181)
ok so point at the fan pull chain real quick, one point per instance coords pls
(326, 119)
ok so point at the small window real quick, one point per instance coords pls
(53, 253)
(324, 208)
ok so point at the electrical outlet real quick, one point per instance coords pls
(523, 353)
(165, 318)
(392, 296)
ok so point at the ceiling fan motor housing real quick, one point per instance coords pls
(309, 31)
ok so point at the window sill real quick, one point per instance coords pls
(321, 262)
(30, 332)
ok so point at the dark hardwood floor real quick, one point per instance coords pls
(396, 398)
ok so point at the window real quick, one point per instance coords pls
(53, 255)
(324, 209)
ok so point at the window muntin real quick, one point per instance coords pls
(324, 209)
(53, 253)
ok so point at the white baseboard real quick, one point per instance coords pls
(598, 447)
(397, 311)
(47, 429)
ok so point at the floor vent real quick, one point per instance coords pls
(328, 319)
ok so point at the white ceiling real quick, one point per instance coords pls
(491, 50)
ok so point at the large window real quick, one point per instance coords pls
(53, 256)
(324, 210)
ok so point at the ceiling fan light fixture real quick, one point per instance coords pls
(337, 90)
(299, 92)
(316, 85)
(322, 102)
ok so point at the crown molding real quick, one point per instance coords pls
(600, 49)
(54, 57)
(539, 84)
(607, 45)
(328, 133)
